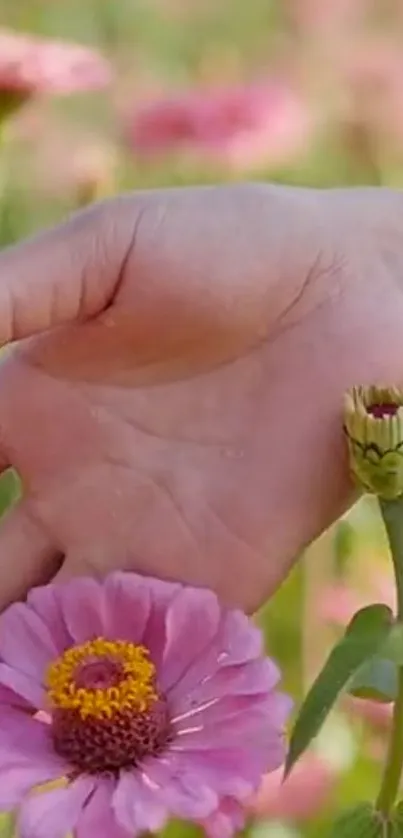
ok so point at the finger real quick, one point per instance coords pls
(64, 274)
(191, 263)
(84, 562)
(28, 556)
(71, 568)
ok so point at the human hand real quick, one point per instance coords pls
(178, 410)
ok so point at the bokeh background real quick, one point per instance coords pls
(169, 92)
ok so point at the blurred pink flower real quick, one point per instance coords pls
(158, 704)
(303, 795)
(317, 16)
(339, 602)
(30, 66)
(373, 76)
(243, 127)
(378, 715)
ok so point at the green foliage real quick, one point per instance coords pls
(7, 825)
(376, 679)
(9, 490)
(396, 826)
(364, 636)
(393, 648)
(360, 822)
(363, 821)
(177, 829)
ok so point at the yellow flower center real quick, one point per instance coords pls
(102, 677)
(106, 711)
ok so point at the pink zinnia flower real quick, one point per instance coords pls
(158, 703)
(243, 126)
(30, 66)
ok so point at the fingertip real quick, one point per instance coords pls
(28, 556)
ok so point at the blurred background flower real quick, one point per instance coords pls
(304, 794)
(32, 66)
(239, 127)
(305, 92)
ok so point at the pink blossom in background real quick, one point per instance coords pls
(303, 795)
(372, 71)
(339, 602)
(319, 16)
(158, 703)
(30, 66)
(378, 715)
(242, 127)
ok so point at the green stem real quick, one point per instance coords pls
(392, 514)
(394, 760)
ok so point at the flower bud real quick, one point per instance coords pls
(373, 422)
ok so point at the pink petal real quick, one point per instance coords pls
(137, 806)
(279, 706)
(128, 603)
(83, 607)
(162, 594)
(251, 734)
(232, 771)
(223, 708)
(97, 819)
(25, 742)
(226, 821)
(23, 737)
(8, 698)
(244, 679)
(25, 641)
(241, 641)
(181, 793)
(237, 642)
(260, 712)
(54, 814)
(45, 602)
(17, 780)
(236, 772)
(23, 685)
(191, 623)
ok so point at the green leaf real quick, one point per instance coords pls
(180, 829)
(360, 822)
(371, 620)
(7, 825)
(376, 679)
(393, 646)
(396, 825)
(364, 636)
(9, 490)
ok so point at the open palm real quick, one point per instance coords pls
(178, 411)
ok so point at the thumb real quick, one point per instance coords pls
(65, 274)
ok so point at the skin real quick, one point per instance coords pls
(174, 402)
